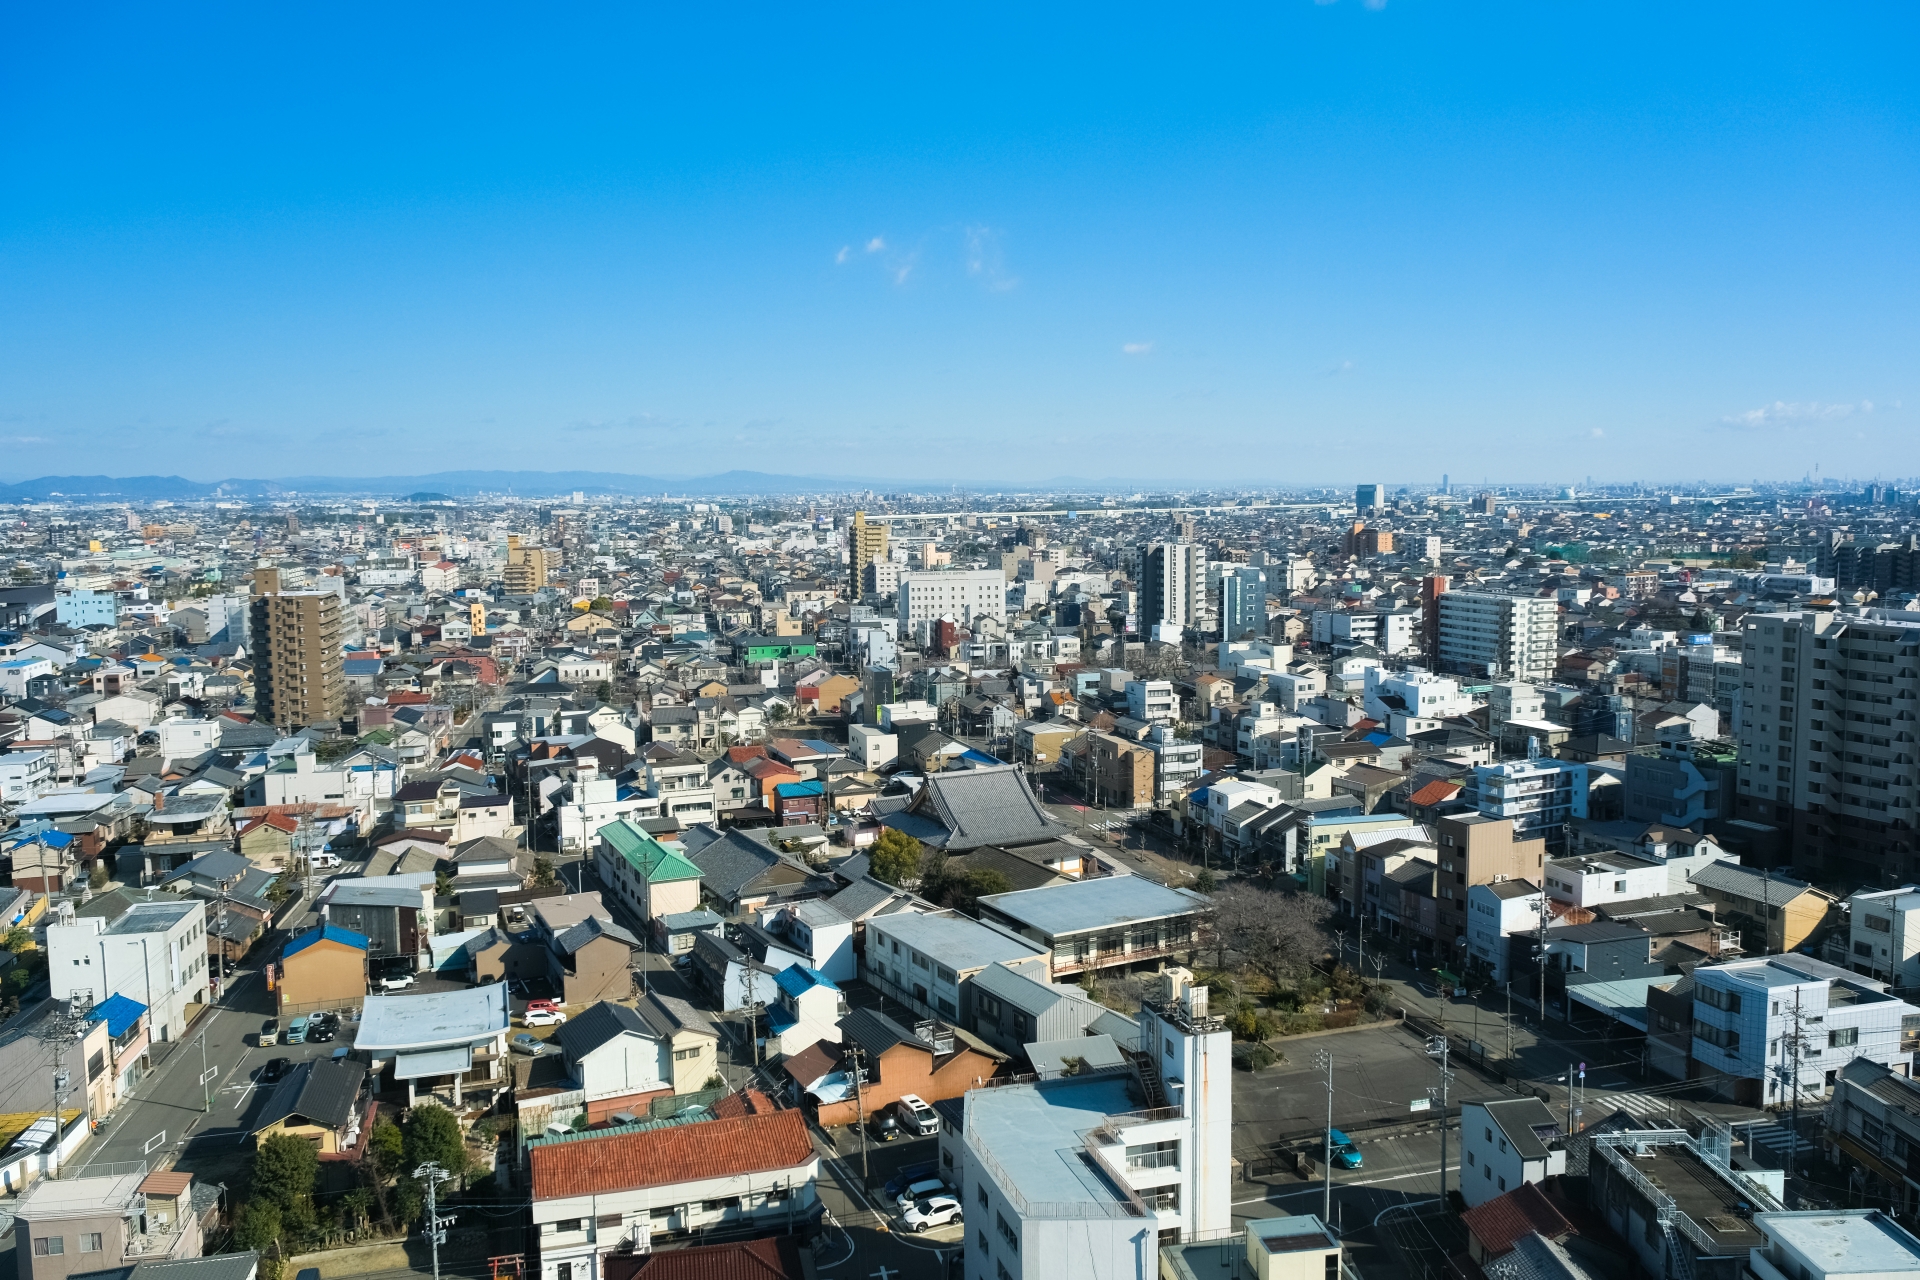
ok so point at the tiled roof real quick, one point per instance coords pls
(669, 1157)
(771, 1258)
(1499, 1222)
(1434, 793)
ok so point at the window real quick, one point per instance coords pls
(1006, 1233)
(1470, 1160)
(982, 1233)
(1503, 1184)
(607, 1220)
(682, 1055)
(569, 1224)
(565, 1271)
(1000, 1268)
(1879, 924)
(1162, 1199)
(981, 1192)
(662, 1212)
(1154, 1155)
(721, 1205)
(49, 1246)
(1844, 1038)
(90, 1242)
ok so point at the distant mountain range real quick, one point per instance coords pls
(532, 484)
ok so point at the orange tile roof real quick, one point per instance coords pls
(666, 1157)
(1434, 792)
(1499, 1223)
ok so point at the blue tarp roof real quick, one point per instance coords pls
(1379, 739)
(799, 789)
(798, 978)
(331, 932)
(120, 1013)
(980, 757)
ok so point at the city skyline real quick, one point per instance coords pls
(1271, 243)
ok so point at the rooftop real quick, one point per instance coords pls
(955, 940)
(1093, 904)
(1855, 1243)
(1033, 1133)
(434, 1019)
(153, 917)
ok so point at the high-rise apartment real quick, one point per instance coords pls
(866, 543)
(1368, 496)
(299, 675)
(1173, 584)
(527, 567)
(1514, 637)
(1243, 603)
(1830, 711)
(1475, 849)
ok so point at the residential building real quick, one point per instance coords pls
(645, 876)
(1083, 1177)
(1873, 1126)
(73, 1226)
(1104, 923)
(1516, 637)
(450, 1045)
(298, 638)
(153, 952)
(25, 776)
(1013, 1009)
(527, 567)
(1173, 585)
(1677, 1203)
(1821, 1244)
(928, 962)
(1476, 849)
(1153, 701)
(1538, 796)
(1883, 935)
(616, 1058)
(1593, 880)
(617, 1191)
(1764, 1027)
(323, 1101)
(1496, 912)
(925, 596)
(866, 545)
(1683, 785)
(1506, 1144)
(1773, 911)
(1243, 603)
(1822, 755)
(323, 968)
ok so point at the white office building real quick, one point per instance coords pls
(1494, 635)
(1153, 701)
(154, 953)
(962, 594)
(1082, 1178)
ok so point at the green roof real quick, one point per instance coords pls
(653, 860)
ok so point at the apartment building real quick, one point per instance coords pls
(527, 567)
(1827, 738)
(1765, 1027)
(866, 546)
(1243, 603)
(1516, 637)
(1476, 849)
(1883, 935)
(1084, 1177)
(1153, 701)
(1495, 912)
(1872, 1124)
(154, 953)
(298, 636)
(1538, 796)
(1173, 585)
(926, 596)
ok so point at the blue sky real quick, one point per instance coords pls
(1292, 242)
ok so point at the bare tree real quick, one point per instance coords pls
(1277, 935)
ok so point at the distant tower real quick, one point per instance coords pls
(1367, 497)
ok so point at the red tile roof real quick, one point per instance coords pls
(667, 1157)
(1434, 792)
(1499, 1223)
(774, 1258)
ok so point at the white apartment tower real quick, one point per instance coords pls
(1515, 637)
(963, 594)
(1173, 585)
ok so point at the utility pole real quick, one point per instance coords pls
(1546, 913)
(1509, 1021)
(434, 1227)
(1437, 1048)
(1793, 1135)
(1324, 1060)
(857, 1059)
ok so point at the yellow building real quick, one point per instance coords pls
(323, 968)
(865, 544)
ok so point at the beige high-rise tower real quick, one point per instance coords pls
(866, 543)
(526, 567)
(298, 678)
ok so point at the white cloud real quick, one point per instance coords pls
(1137, 348)
(1345, 366)
(905, 269)
(984, 259)
(876, 244)
(846, 251)
(1785, 413)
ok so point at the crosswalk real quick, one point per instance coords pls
(1634, 1104)
(1776, 1140)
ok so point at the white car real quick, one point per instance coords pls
(400, 983)
(542, 1018)
(925, 1189)
(916, 1116)
(934, 1211)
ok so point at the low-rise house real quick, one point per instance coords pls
(598, 1194)
(1104, 923)
(1013, 1009)
(931, 1060)
(1883, 934)
(323, 1101)
(1507, 1143)
(323, 968)
(78, 1225)
(928, 962)
(818, 932)
(645, 876)
(1766, 905)
(806, 1007)
(688, 1035)
(587, 955)
(451, 1045)
(1495, 913)
(616, 1058)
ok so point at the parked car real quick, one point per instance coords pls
(551, 1006)
(542, 1018)
(934, 1211)
(920, 1191)
(322, 1029)
(269, 1033)
(916, 1117)
(274, 1070)
(297, 1030)
(400, 982)
(909, 1175)
(532, 1046)
(1342, 1151)
(324, 861)
(882, 1127)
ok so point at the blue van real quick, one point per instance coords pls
(297, 1030)
(1341, 1150)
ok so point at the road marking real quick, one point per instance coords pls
(1321, 1190)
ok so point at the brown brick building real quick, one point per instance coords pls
(299, 674)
